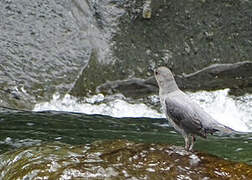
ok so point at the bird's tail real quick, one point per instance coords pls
(225, 130)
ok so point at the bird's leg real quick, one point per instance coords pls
(187, 142)
(192, 143)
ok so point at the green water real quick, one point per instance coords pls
(25, 128)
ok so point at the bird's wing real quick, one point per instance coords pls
(183, 113)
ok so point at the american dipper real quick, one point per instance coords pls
(187, 117)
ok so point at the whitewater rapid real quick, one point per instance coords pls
(235, 112)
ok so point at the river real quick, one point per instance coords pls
(70, 121)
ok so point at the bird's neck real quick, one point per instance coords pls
(168, 88)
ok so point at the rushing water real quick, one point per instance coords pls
(25, 128)
(235, 112)
(58, 141)
(50, 135)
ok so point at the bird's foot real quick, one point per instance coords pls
(189, 149)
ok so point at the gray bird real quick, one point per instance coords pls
(187, 117)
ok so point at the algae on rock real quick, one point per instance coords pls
(118, 159)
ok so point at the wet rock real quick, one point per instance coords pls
(50, 46)
(134, 87)
(237, 77)
(184, 35)
(119, 159)
(43, 48)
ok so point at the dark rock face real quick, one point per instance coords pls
(184, 35)
(118, 159)
(237, 77)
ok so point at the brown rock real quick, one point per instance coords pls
(119, 159)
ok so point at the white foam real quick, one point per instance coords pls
(233, 112)
(115, 108)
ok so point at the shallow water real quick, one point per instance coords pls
(25, 128)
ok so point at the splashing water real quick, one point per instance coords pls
(95, 105)
(233, 112)
(230, 111)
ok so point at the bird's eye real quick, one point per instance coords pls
(156, 72)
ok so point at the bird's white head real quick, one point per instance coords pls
(165, 80)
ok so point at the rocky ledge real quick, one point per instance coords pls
(237, 77)
(119, 159)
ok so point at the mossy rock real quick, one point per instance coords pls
(118, 159)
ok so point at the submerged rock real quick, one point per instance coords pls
(119, 159)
